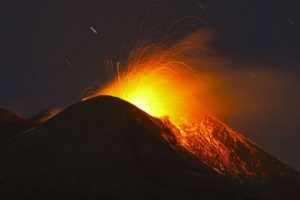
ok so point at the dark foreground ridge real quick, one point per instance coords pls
(106, 148)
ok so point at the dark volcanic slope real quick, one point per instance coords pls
(11, 124)
(44, 116)
(106, 148)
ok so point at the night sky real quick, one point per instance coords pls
(52, 51)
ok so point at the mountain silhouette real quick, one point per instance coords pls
(107, 148)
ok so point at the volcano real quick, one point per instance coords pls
(107, 148)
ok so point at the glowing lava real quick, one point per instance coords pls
(157, 87)
(163, 83)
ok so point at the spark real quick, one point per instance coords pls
(68, 62)
(94, 30)
(201, 6)
(291, 22)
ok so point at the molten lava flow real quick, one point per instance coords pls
(161, 83)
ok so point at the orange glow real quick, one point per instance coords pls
(158, 88)
(164, 82)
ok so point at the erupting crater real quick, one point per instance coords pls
(162, 83)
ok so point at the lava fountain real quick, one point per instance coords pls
(165, 82)
(161, 81)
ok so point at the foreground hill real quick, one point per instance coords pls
(106, 148)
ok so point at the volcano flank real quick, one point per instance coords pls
(107, 148)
